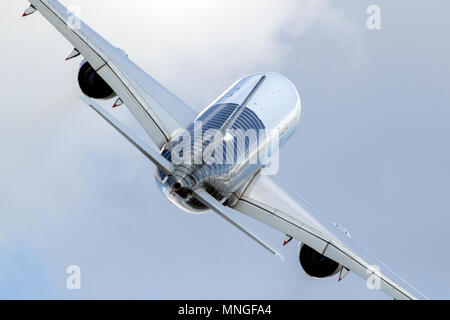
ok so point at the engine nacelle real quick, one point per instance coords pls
(315, 264)
(92, 84)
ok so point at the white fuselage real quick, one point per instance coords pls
(231, 140)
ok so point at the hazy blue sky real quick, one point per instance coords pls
(371, 151)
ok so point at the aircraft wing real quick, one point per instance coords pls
(270, 201)
(156, 109)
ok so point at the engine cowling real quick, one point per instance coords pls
(315, 264)
(91, 84)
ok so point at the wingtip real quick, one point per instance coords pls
(30, 10)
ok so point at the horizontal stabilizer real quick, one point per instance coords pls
(209, 201)
(148, 151)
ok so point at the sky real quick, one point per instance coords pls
(371, 150)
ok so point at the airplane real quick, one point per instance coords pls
(265, 104)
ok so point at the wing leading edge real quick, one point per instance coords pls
(158, 111)
(266, 199)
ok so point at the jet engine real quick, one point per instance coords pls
(92, 84)
(315, 264)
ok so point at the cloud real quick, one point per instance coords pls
(191, 45)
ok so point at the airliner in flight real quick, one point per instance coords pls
(221, 159)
